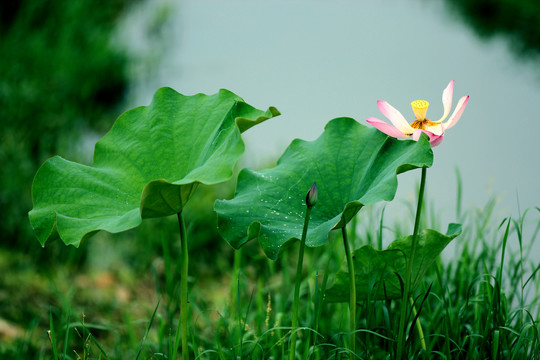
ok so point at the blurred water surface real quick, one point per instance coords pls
(318, 60)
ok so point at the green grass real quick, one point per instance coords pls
(480, 301)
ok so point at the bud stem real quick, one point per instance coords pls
(311, 199)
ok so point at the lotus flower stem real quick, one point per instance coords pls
(352, 291)
(183, 325)
(407, 286)
(311, 199)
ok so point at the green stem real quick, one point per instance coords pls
(235, 294)
(352, 291)
(401, 334)
(296, 299)
(240, 326)
(183, 325)
(418, 326)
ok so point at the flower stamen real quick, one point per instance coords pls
(420, 124)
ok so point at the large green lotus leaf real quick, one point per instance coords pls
(147, 165)
(353, 166)
(376, 271)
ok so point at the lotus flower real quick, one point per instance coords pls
(434, 129)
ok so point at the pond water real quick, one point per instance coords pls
(318, 60)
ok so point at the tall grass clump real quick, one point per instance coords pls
(480, 300)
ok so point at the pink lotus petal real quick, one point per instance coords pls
(395, 117)
(447, 99)
(434, 139)
(386, 128)
(460, 107)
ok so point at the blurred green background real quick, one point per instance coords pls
(63, 77)
(518, 21)
(60, 76)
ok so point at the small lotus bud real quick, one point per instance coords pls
(311, 197)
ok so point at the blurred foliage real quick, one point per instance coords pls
(60, 75)
(518, 19)
(62, 81)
